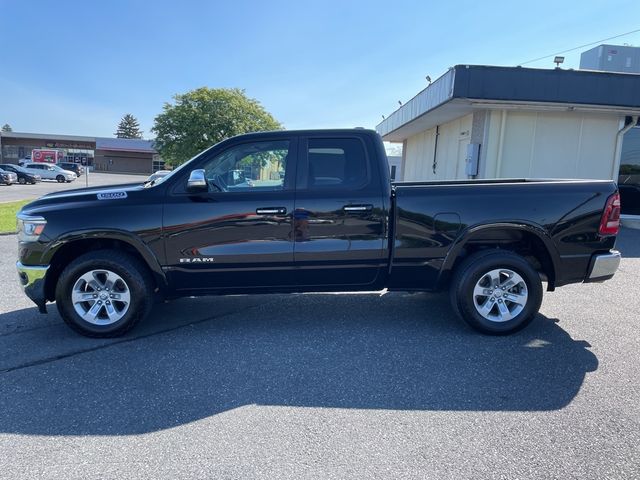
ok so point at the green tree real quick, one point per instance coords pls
(7, 128)
(129, 127)
(205, 116)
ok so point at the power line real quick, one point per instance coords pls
(581, 46)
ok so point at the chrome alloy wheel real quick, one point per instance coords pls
(500, 295)
(101, 297)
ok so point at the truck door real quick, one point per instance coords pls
(339, 219)
(239, 234)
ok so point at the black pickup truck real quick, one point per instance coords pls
(299, 211)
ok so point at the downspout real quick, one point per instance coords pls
(617, 152)
(435, 150)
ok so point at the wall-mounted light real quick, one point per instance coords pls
(558, 60)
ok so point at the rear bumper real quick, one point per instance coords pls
(603, 266)
(32, 280)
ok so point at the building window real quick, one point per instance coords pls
(157, 164)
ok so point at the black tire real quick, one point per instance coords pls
(473, 270)
(22, 181)
(61, 179)
(132, 272)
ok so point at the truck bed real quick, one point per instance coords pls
(432, 218)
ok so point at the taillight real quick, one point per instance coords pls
(610, 221)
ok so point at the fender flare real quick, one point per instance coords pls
(468, 233)
(110, 234)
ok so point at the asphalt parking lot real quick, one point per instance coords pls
(10, 193)
(326, 386)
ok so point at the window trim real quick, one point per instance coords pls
(289, 184)
(303, 166)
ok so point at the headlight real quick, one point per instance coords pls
(30, 227)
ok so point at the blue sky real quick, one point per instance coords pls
(75, 67)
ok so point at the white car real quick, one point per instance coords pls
(158, 174)
(50, 172)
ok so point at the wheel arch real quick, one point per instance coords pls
(71, 245)
(529, 240)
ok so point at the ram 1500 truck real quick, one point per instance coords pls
(300, 211)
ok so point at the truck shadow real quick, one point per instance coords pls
(395, 352)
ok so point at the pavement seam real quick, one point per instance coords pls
(19, 332)
(55, 358)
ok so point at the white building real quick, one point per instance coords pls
(513, 122)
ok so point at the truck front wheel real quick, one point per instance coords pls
(496, 292)
(104, 293)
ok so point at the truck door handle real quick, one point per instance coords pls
(271, 211)
(357, 208)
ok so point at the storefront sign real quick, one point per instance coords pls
(85, 146)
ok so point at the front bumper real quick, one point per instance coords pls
(32, 279)
(603, 266)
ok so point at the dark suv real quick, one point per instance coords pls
(74, 167)
(23, 176)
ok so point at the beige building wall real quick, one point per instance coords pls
(551, 144)
(450, 157)
(517, 144)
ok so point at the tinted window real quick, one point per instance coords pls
(249, 167)
(336, 163)
(630, 199)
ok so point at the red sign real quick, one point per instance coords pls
(46, 156)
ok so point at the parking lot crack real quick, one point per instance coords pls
(55, 358)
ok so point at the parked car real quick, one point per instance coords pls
(72, 167)
(7, 177)
(23, 175)
(331, 222)
(158, 174)
(50, 172)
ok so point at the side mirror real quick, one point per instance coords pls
(197, 182)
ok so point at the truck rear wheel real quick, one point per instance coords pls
(104, 293)
(496, 292)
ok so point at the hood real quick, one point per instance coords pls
(109, 193)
